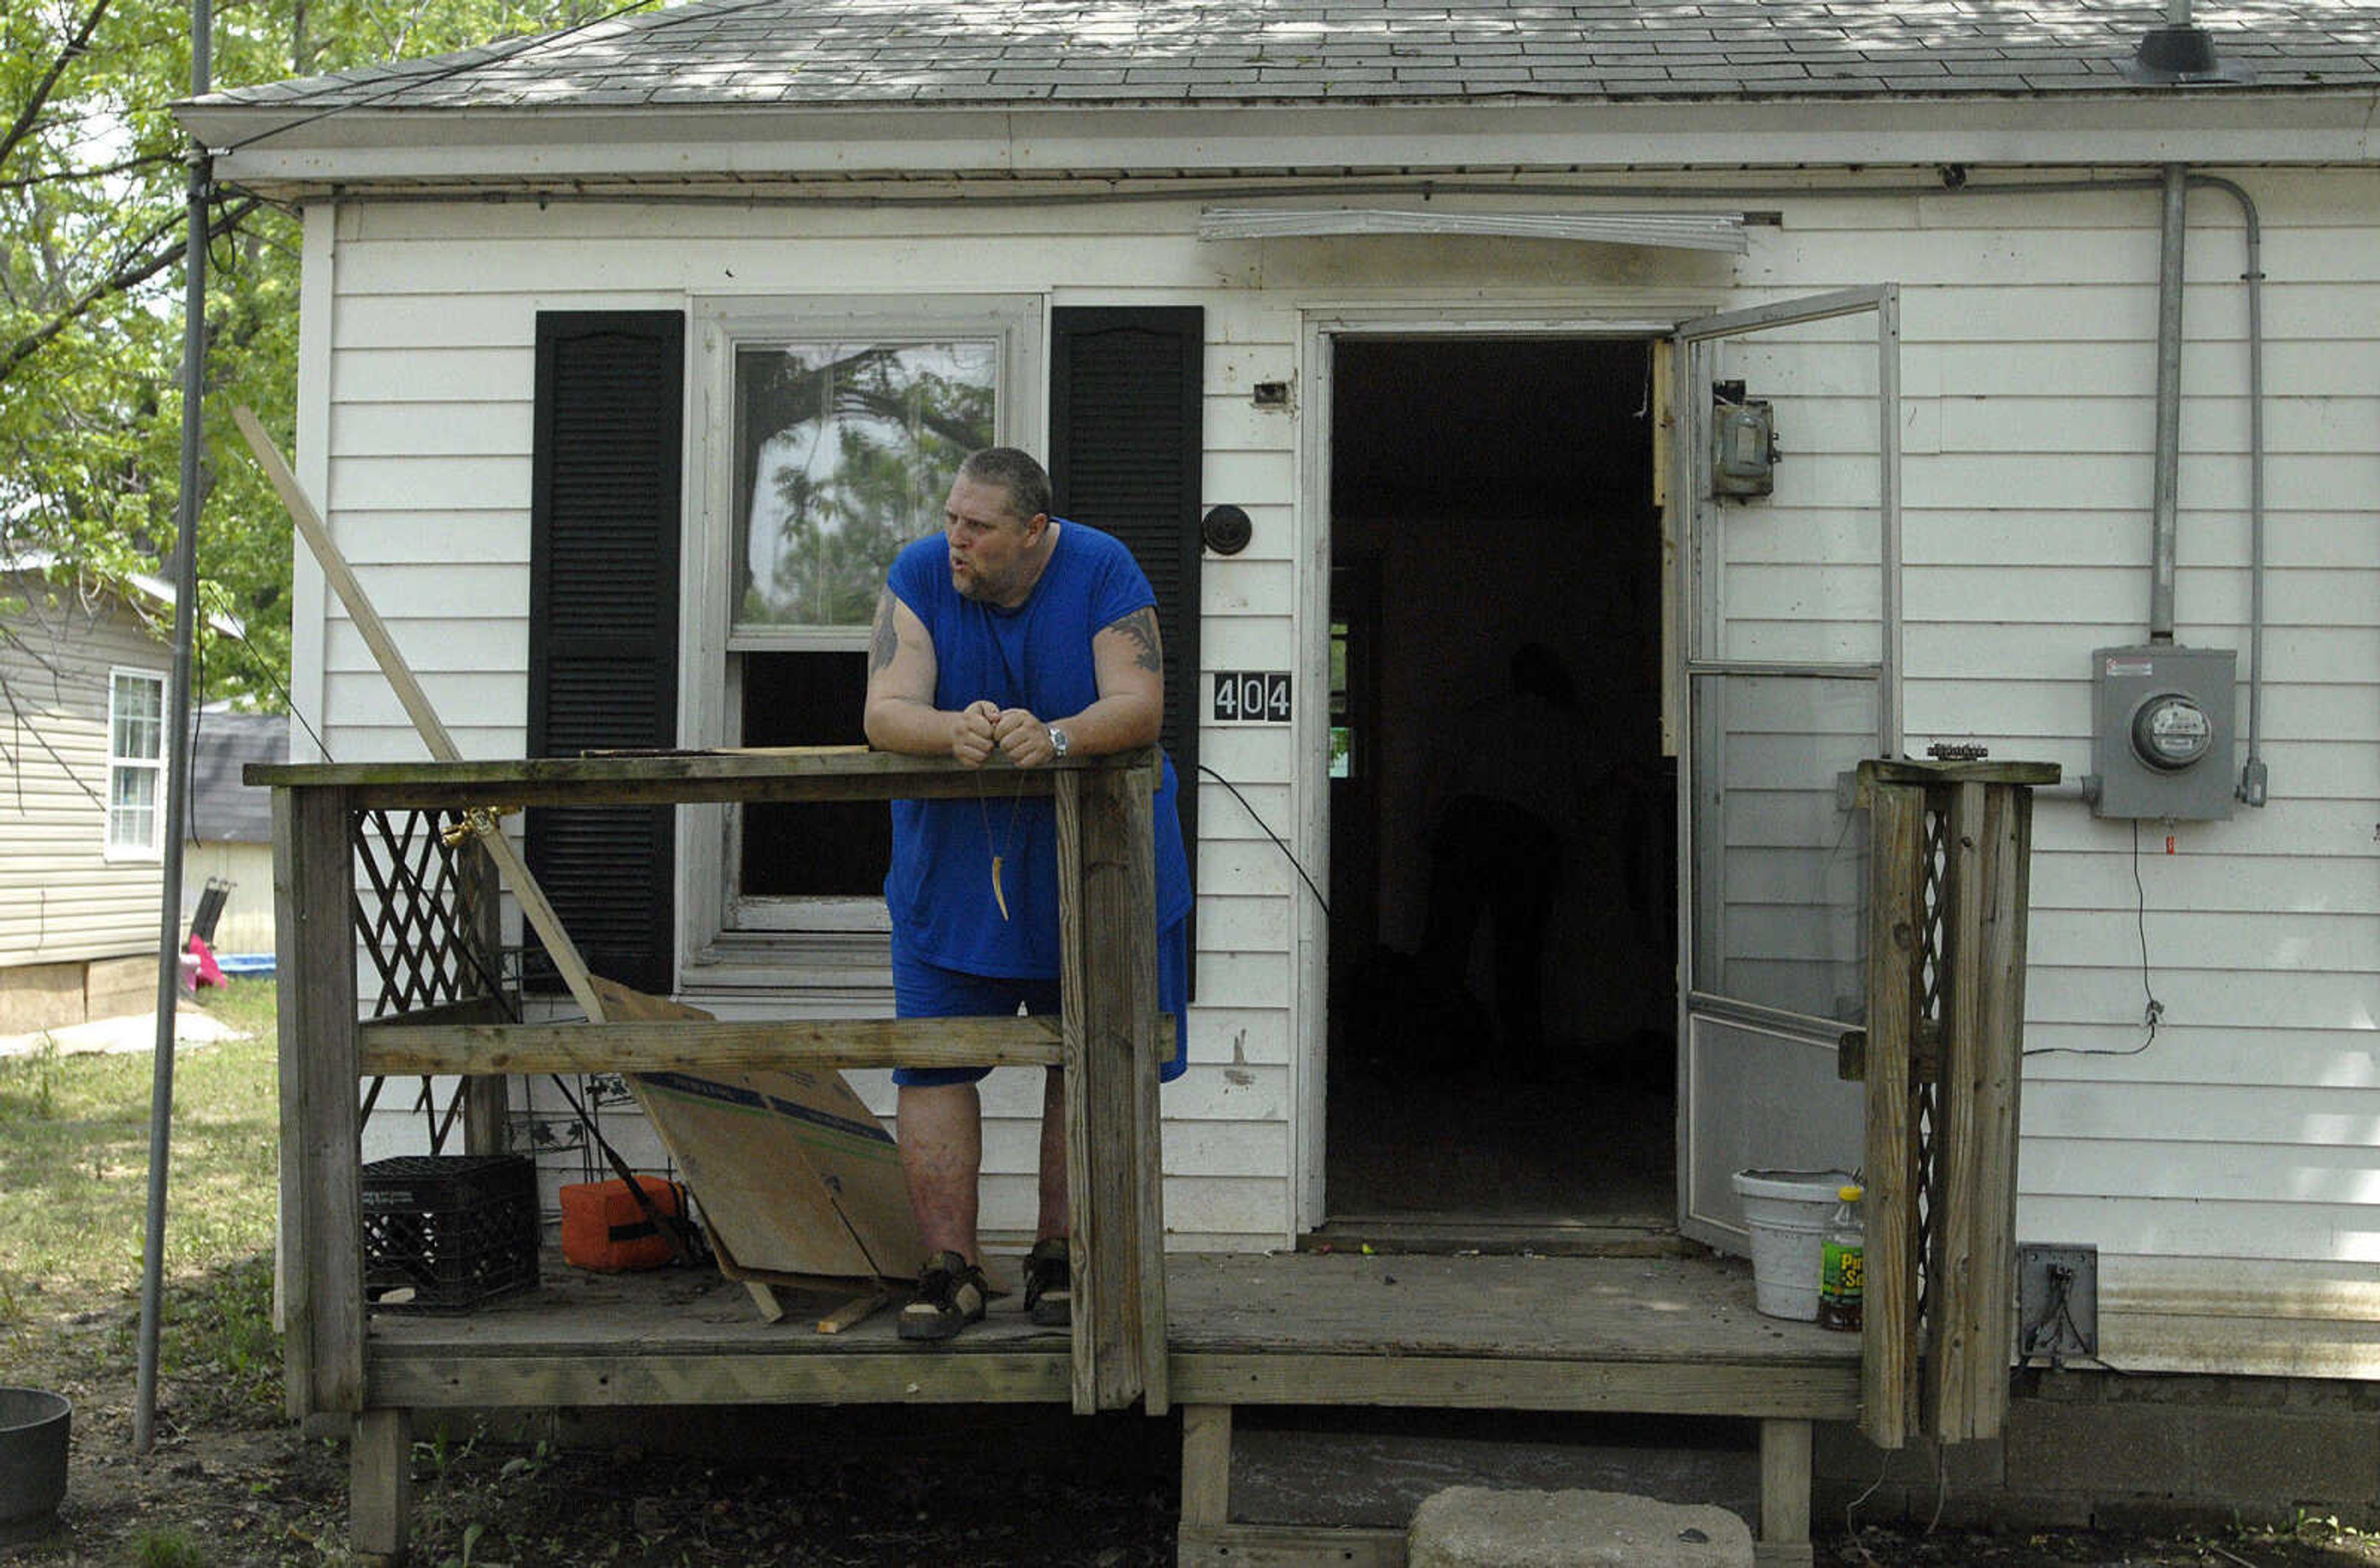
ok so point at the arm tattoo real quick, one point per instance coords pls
(883, 640)
(1141, 626)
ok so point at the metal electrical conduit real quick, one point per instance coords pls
(2171, 181)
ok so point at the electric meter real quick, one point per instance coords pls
(2171, 731)
(2161, 728)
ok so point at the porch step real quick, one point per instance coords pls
(1376, 1467)
(1485, 1528)
(1452, 1234)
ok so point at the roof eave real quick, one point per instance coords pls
(293, 149)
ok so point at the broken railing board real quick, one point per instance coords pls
(796, 1178)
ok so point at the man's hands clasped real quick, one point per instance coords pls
(982, 728)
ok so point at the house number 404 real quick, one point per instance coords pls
(1252, 697)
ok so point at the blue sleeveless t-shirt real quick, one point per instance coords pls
(1037, 657)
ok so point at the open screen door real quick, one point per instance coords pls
(1789, 609)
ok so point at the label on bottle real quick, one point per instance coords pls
(1842, 1272)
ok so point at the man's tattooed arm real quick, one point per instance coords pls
(883, 640)
(1141, 626)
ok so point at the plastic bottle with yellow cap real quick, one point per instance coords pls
(1842, 1263)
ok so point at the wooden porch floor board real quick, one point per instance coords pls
(1675, 1335)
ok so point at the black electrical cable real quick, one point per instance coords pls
(265, 667)
(486, 54)
(1284, 848)
(2153, 1013)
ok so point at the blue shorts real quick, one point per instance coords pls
(922, 990)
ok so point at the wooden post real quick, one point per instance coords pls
(1973, 1334)
(1785, 1450)
(1106, 883)
(313, 884)
(1136, 900)
(379, 1486)
(485, 1127)
(1206, 1466)
(1896, 937)
(1976, 924)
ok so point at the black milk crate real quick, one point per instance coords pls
(452, 1230)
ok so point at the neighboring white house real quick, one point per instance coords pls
(83, 820)
(1464, 308)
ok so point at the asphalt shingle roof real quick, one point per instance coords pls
(878, 53)
(223, 809)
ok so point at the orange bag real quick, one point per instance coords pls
(604, 1229)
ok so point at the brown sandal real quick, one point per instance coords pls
(951, 1295)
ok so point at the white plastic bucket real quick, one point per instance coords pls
(1788, 1211)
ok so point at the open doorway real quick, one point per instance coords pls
(1493, 527)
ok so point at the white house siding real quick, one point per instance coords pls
(62, 899)
(2222, 1170)
(430, 362)
(2225, 1171)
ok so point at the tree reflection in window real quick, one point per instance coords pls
(844, 452)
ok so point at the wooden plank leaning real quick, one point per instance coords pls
(600, 1000)
(343, 581)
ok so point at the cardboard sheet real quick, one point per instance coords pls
(797, 1181)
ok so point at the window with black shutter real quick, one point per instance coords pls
(1127, 440)
(603, 634)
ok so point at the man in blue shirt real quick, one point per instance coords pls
(1026, 635)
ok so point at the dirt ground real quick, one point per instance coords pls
(229, 1483)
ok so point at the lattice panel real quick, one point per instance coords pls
(1925, 1082)
(419, 915)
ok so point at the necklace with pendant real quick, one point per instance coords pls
(999, 849)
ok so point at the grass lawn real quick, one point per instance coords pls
(74, 1160)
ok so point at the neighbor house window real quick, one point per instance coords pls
(136, 763)
(847, 425)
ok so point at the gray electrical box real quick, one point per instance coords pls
(1743, 441)
(2161, 731)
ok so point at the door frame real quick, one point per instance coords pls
(1696, 596)
(1318, 330)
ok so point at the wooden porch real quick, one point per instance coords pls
(400, 861)
(1622, 1335)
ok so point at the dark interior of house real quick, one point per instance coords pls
(1496, 614)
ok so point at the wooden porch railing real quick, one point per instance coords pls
(1950, 847)
(336, 883)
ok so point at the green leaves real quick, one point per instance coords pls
(92, 241)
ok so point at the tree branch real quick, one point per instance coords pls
(42, 90)
(24, 182)
(131, 275)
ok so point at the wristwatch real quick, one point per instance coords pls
(1058, 741)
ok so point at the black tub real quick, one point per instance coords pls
(33, 1461)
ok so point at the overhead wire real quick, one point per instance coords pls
(479, 59)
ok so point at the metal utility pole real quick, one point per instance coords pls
(178, 732)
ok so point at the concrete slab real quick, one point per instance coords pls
(1481, 1528)
(132, 1031)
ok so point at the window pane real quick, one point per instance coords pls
(844, 454)
(817, 848)
(132, 808)
(135, 726)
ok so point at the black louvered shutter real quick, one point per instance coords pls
(603, 629)
(1125, 445)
